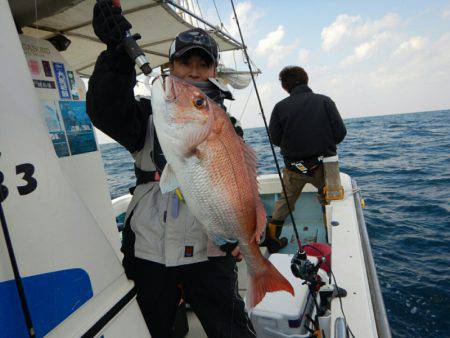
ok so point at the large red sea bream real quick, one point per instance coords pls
(216, 172)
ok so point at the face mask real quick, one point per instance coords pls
(211, 90)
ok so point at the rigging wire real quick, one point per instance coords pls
(235, 69)
(201, 13)
(199, 8)
(218, 15)
(244, 47)
(246, 102)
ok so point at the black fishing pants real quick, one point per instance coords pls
(211, 289)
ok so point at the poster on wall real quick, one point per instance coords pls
(47, 69)
(33, 65)
(79, 129)
(61, 80)
(55, 128)
(73, 85)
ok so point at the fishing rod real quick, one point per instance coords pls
(130, 45)
(244, 47)
(15, 268)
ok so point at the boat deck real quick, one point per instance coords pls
(349, 262)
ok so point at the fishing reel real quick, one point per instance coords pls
(305, 267)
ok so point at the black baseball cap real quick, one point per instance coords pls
(195, 38)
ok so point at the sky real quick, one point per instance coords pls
(370, 57)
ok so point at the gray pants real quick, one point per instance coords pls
(294, 183)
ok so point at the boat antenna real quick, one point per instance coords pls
(15, 268)
(244, 47)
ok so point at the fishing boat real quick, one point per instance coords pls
(60, 263)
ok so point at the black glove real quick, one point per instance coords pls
(109, 23)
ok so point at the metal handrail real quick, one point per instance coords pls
(379, 309)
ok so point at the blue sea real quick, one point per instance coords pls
(402, 165)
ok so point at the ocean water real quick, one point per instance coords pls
(402, 165)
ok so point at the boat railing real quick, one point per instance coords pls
(379, 309)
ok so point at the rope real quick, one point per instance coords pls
(267, 128)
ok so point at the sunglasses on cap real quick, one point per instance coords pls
(191, 39)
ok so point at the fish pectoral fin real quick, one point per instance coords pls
(168, 181)
(217, 126)
(261, 221)
(196, 137)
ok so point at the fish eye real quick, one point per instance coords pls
(199, 102)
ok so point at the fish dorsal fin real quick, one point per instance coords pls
(250, 161)
(168, 181)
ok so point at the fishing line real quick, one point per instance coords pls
(267, 128)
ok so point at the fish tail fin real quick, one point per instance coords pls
(268, 279)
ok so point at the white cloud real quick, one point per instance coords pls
(355, 28)
(273, 49)
(270, 92)
(266, 44)
(412, 44)
(446, 14)
(366, 49)
(332, 35)
(368, 28)
(412, 63)
(303, 56)
(248, 17)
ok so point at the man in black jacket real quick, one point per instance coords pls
(163, 244)
(307, 127)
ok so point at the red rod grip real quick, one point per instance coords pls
(116, 3)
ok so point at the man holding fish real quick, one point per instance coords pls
(196, 196)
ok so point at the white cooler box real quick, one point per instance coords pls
(279, 314)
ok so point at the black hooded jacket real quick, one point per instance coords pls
(306, 125)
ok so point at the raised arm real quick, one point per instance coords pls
(111, 104)
(110, 99)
